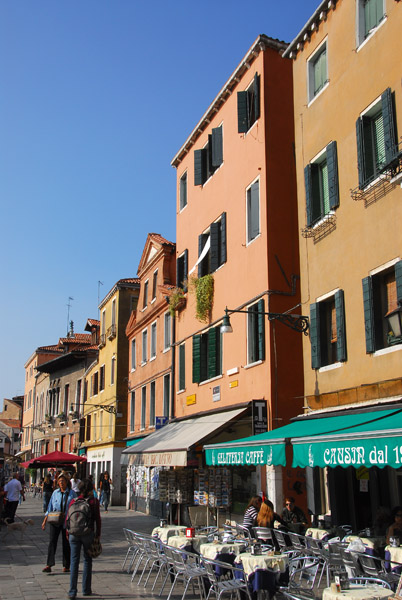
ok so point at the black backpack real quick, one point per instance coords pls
(79, 518)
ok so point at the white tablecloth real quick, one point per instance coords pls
(358, 592)
(373, 543)
(181, 541)
(316, 533)
(211, 550)
(252, 562)
(395, 553)
(164, 533)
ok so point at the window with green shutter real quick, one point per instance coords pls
(317, 71)
(382, 294)
(376, 137)
(182, 367)
(321, 183)
(248, 105)
(208, 159)
(216, 255)
(328, 331)
(256, 332)
(370, 14)
(207, 355)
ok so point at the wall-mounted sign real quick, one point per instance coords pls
(191, 399)
(259, 416)
(160, 422)
(216, 393)
(234, 383)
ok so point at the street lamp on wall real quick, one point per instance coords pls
(296, 322)
(394, 319)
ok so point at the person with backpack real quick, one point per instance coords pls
(83, 525)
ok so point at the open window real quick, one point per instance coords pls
(328, 331)
(382, 294)
(321, 184)
(376, 136)
(248, 106)
(212, 247)
(209, 158)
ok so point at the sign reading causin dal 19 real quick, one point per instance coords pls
(368, 452)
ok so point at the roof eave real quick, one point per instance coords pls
(304, 34)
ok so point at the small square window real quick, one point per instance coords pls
(317, 71)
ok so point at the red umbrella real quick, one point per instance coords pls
(54, 459)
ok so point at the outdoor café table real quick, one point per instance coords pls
(263, 570)
(393, 555)
(373, 545)
(164, 533)
(191, 544)
(317, 534)
(215, 551)
(358, 592)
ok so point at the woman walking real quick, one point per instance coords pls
(86, 493)
(59, 502)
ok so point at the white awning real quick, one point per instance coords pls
(169, 446)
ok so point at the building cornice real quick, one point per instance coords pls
(313, 24)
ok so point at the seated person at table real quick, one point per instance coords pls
(267, 517)
(382, 521)
(292, 513)
(395, 530)
(250, 516)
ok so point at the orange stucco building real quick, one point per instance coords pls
(237, 222)
(348, 122)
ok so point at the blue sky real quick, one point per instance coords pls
(96, 97)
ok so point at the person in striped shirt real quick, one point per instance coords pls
(250, 516)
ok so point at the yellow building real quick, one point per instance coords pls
(105, 392)
(348, 123)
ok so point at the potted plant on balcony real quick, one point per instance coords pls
(203, 288)
(177, 300)
(63, 417)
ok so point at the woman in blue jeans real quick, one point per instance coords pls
(86, 491)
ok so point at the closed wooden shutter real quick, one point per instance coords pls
(368, 314)
(242, 112)
(360, 152)
(256, 90)
(212, 352)
(315, 335)
(223, 249)
(398, 279)
(261, 329)
(217, 147)
(390, 140)
(333, 183)
(196, 358)
(182, 367)
(215, 246)
(309, 190)
(185, 270)
(340, 326)
(198, 167)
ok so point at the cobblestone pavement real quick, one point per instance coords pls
(22, 561)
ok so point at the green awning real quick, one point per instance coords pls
(263, 449)
(371, 438)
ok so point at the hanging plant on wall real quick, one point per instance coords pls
(177, 301)
(203, 288)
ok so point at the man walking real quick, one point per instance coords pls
(13, 490)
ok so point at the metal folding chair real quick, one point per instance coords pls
(227, 585)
